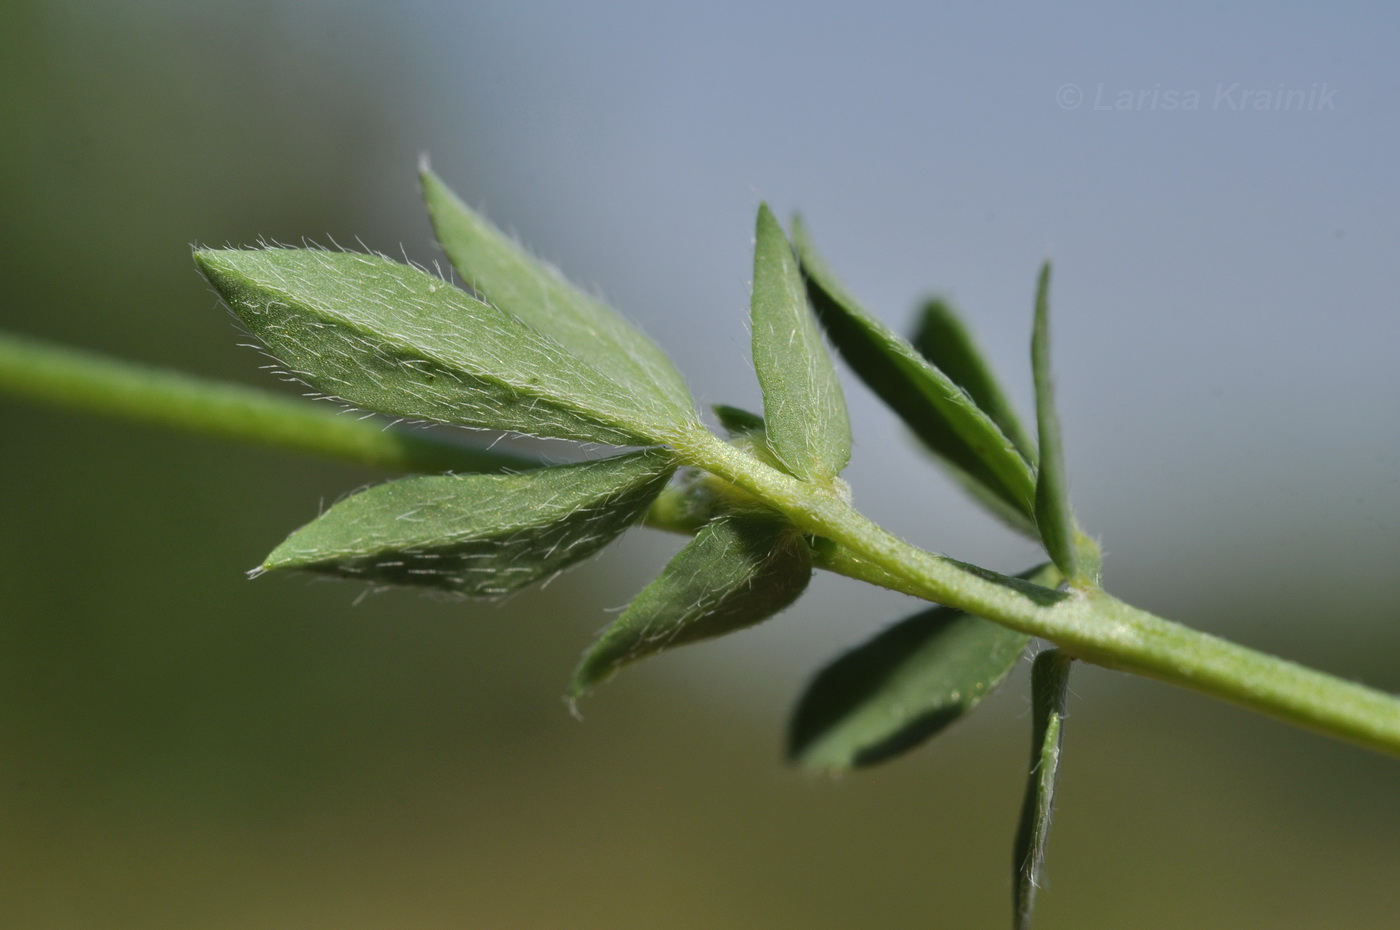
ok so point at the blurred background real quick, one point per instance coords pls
(184, 748)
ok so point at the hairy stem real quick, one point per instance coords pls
(39, 370)
(1086, 624)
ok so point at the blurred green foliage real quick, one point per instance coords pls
(186, 749)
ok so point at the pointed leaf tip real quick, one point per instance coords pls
(505, 274)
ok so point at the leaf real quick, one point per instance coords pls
(392, 338)
(940, 413)
(738, 570)
(749, 432)
(1010, 516)
(738, 422)
(807, 426)
(506, 275)
(1052, 511)
(943, 339)
(893, 692)
(1049, 692)
(479, 535)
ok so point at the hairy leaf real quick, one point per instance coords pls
(943, 339)
(479, 535)
(505, 274)
(749, 432)
(940, 413)
(896, 690)
(737, 571)
(1049, 693)
(392, 338)
(739, 422)
(1052, 511)
(808, 429)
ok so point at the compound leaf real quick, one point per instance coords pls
(939, 412)
(896, 690)
(479, 535)
(807, 426)
(508, 276)
(739, 570)
(391, 338)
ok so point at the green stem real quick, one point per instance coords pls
(1089, 625)
(1086, 624)
(39, 370)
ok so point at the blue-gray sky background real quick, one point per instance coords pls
(1225, 310)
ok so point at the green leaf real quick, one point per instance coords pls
(940, 413)
(749, 432)
(738, 422)
(808, 430)
(1049, 692)
(394, 339)
(898, 689)
(943, 339)
(1012, 517)
(479, 535)
(1052, 511)
(505, 274)
(738, 570)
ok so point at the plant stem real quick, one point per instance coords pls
(79, 380)
(1086, 624)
